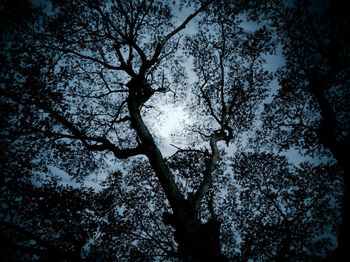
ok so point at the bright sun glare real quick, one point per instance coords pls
(171, 119)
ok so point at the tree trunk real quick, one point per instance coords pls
(197, 241)
(330, 138)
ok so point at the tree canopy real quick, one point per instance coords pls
(260, 171)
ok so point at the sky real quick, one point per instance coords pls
(172, 118)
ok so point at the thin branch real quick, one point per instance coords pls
(86, 57)
(208, 102)
(97, 96)
(204, 136)
(222, 72)
(181, 150)
(102, 144)
(162, 43)
(184, 24)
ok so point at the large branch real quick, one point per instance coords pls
(153, 153)
(210, 165)
(100, 143)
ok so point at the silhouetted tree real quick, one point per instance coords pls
(311, 109)
(80, 80)
(285, 212)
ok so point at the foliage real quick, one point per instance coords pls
(81, 81)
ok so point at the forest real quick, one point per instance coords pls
(174, 130)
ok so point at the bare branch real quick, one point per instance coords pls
(101, 143)
(181, 150)
(184, 23)
(208, 102)
(87, 57)
(162, 43)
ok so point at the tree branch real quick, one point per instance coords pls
(102, 144)
(153, 153)
(162, 43)
(86, 57)
(184, 23)
(180, 150)
(210, 165)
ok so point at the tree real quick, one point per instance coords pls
(81, 80)
(288, 210)
(314, 79)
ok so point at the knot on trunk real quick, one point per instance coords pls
(140, 89)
